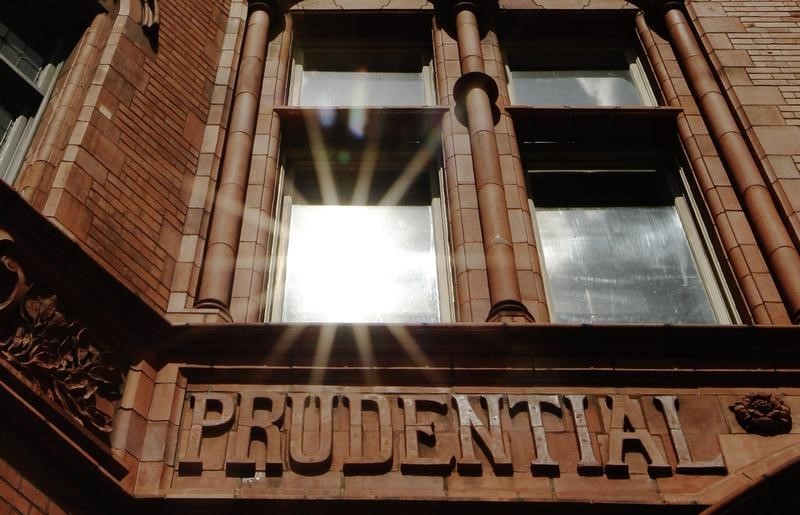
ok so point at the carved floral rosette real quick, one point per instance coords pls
(763, 414)
(53, 352)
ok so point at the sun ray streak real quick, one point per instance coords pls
(322, 354)
(413, 350)
(416, 165)
(284, 344)
(366, 170)
(364, 345)
(322, 163)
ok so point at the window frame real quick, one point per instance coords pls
(36, 96)
(673, 175)
(276, 278)
(568, 53)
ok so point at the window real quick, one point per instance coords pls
(620, 246)
(27, 72)
(361, 233)
(347, 76)
(361, 244)
(558, 73)
(362, 60)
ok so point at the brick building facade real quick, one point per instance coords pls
(354, 255)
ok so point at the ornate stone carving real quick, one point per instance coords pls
(150, 16)
(763, 414)
(12, 278)
(53, 352)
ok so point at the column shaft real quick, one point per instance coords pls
(216, 280)
(773, 238)
(504, 291)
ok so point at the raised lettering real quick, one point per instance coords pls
(543, 463)
(413, 463)
(491, 439)
(259, 417)
(669, 405)
(357, 462)
(632, 436)
(204, 405)
(588, 464)
(318, 459)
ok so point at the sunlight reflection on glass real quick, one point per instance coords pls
(357, 121)
(365, 353)
(322, 353)
(621, 264)
(361, 264)
(575, 87)
(361, 88)
(327, 117)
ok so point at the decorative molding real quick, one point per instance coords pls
(150, 17)
(763, 414)
(54, 352)
(16, 285)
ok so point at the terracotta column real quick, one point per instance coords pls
(216, 279)
(773, 238)
(476, 93)
(740, 267)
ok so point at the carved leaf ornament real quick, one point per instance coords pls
(54, 352)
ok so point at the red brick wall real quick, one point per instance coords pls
(18, 496)
(756, 48)
(119, 188)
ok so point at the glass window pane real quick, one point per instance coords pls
(361, 264)
(575, 87)
(621, 265)
(361, 88)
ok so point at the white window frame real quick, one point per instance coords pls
(568, 52)
(280, 239)
(697, 237)
(20, 134)
(298, 60)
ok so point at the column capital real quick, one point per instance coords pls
(479, 6)
(662, 7)
(510, 311)
(271, 6)
(482, 9)
(475, 79)
(275, 10)
(470, 80)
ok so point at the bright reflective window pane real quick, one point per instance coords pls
(361, 264)
(575, 87)
(361, 88)
(621, 265)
